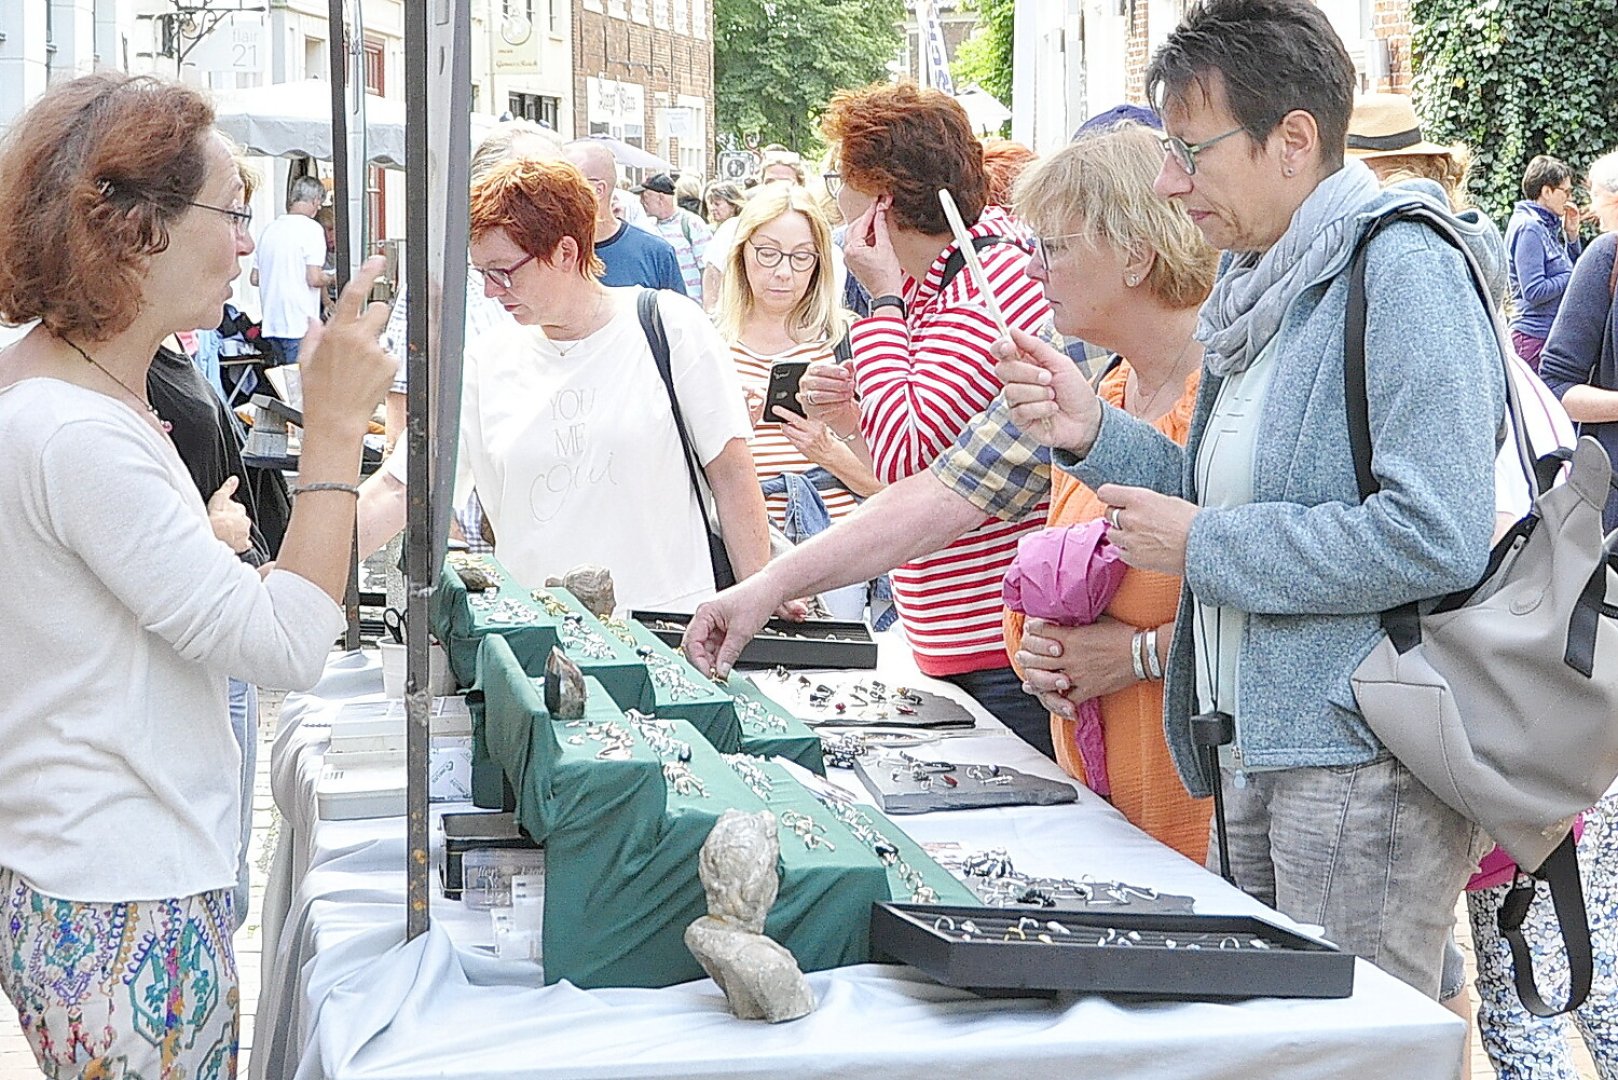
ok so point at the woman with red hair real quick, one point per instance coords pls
(567, 430)
(922, 367)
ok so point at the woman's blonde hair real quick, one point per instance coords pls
(1448, 171)
(1101, 188)
(819, 314)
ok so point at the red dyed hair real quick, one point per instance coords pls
(908, 142)
(538, 203)
(90, 178)
(1005, 161)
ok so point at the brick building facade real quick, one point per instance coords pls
(643, 73)
(1390, 22)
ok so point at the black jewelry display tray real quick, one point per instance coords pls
(1292, 966)
(476, 832)
(783, 643)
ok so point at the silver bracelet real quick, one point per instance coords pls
(1135, 655)
(1153, 664)
(327, 485)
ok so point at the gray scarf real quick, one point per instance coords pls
(1245, 309)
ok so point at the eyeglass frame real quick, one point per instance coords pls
(1185, 154)
(790, 256)
(501, 275)
(833, 181)
(240, 219)
(1043, 253)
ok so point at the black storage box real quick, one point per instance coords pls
(815, 643)
(476, 832)
(1009, 950)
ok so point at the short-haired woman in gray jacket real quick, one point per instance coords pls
(1285, 568)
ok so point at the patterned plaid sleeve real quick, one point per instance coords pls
(995, 467)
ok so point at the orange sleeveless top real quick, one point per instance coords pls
(1145, 786)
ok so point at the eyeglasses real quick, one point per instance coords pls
(1043, 245)
(241, 217)
(1186, 153)
(770, 258)
(833, 181)
(501, 275)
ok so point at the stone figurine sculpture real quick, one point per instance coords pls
(592, 585)
(564, 687)
(760, 978)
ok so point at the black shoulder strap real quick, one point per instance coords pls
(957, 258)
(844, 349)
(1561, 871)
(651, 323)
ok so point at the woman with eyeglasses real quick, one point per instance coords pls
(122, 221)
(921, 363)
(779, 305)
(567, 430)
(1287, 569)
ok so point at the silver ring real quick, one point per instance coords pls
(1112, 517)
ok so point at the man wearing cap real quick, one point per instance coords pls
(632, 256)
(688, 233)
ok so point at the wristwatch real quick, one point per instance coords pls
(889, 300)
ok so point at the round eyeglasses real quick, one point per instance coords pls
(240, 216)
(501, 275)
(769, 258)
(1186, 153)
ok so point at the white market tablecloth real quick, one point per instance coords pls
(345, 998)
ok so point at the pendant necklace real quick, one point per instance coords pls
(595, 313)
(162, 423)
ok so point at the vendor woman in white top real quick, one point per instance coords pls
(566, 428)
(121, 222)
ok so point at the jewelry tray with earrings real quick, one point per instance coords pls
(813, 643)
(1005, 952)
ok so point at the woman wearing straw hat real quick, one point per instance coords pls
(1384, 133)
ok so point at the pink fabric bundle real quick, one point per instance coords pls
(1068, 574)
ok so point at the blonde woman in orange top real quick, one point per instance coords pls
(1126, 271)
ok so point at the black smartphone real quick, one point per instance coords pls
(783, 389)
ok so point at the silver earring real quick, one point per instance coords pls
(1132, 280)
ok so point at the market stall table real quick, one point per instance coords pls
(345, 997)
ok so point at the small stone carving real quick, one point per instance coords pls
(760, 978)
(564, 687)
(592, 585)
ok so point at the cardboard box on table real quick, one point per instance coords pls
(622, 846)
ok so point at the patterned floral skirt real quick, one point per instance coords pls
(142, 990)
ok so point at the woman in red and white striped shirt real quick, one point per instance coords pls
(922, 366)
(778, 305)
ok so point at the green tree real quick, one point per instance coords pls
(985, 57)
(778, 62)
(1515, 78)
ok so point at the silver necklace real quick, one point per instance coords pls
(590, 328)
(1144, 409)
(162, 423)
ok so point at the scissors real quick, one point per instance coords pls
(393, 622)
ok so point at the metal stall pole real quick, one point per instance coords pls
(437, 150)
(342, 185)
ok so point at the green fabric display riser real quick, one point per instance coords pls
(688, 696)
(622, 672)
(622, 846)
(461, 626)
(768, 730)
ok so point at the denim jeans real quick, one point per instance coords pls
(999, 690)
(284, 348)
(1366, 851)
(244, 725)
(806, 516)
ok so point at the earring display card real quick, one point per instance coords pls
(1171, 957)
(904, 784)
(814, 643)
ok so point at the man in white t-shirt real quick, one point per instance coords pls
(289, 269)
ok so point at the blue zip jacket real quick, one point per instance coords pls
(1540, 261)
(1313, 565)
(1583, 345)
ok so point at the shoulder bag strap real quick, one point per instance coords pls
(1561, 871)
(651, 323)
(957, 258)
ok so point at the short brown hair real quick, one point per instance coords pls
(908, 142)
(1005, 161)
(90, 178)
(538, 203)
